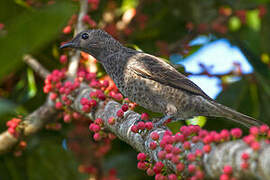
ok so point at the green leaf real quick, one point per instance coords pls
(234, 23)
(128, 4)
(31, 31)
(253, 20)
(199, 120)
(31, 83)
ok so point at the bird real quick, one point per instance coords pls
(151, 82)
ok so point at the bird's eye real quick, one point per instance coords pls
(85, 36)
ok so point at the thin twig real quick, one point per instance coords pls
(74, 60)
(36, 66)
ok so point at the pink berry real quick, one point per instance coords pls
(207, 148)
(264, 128)
(191, 157)
(141, 125)
(180, 167)
(175, 159)
(53, 96)
(58, 105)
(150, 172)
(86, 108)
(254, 130)
(153, 145)
(67, 118)
(236, 132)
(120, 113)
(227, 169)
(63, 59)
(84, 101)
(111, 120)
(141, 165)
(141, 157)
(245, 165)
(255, 146)
(172, 177)
(134, 129)
(161, 155)
(191, 168)
(124, 107)
(154, 136)
(144, 117)
(149, 125)
(224, 177)
(186, 145)
(245, 156)
(97, 137)
(99, 121)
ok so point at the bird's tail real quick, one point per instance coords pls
(227, 112)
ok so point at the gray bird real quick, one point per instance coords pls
(151, 82)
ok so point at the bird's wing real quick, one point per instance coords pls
(154, 68)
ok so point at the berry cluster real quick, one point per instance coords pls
(12, 126)
(177, 149)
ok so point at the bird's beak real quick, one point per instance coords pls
(67, 45)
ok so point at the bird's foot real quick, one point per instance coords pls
(164, 120)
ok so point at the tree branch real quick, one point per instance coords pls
(32, 124)
(227, 153)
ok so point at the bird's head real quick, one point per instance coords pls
(96, 42)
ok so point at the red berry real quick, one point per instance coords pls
(186, 145)
(150, 172)
(161, 155)
(180, 167)
(236, 132)
(53, 96)
(141, 157)
(63, 59)
(191, 168)
(254, 130)
(224, 177)
(153, 145)
(111, 120)
(207, 148)
(86, 108)
(144, 117)
(141, 165)
(245, 165)
(141, 125)
(227, 169)
(264, 128)
(120, 113)
(245, 156)
(58, 105)
(124, 107)
(99, 121)
(191, 157)
(67, 29)
(172, 177)
(134, 129)
(149, 125)
(97, 137)
(154, 136)
(255, 146)
(67, 118)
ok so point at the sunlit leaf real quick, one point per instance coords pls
(253, 20)
(199, 120)
(234, 23)
(31, 83)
